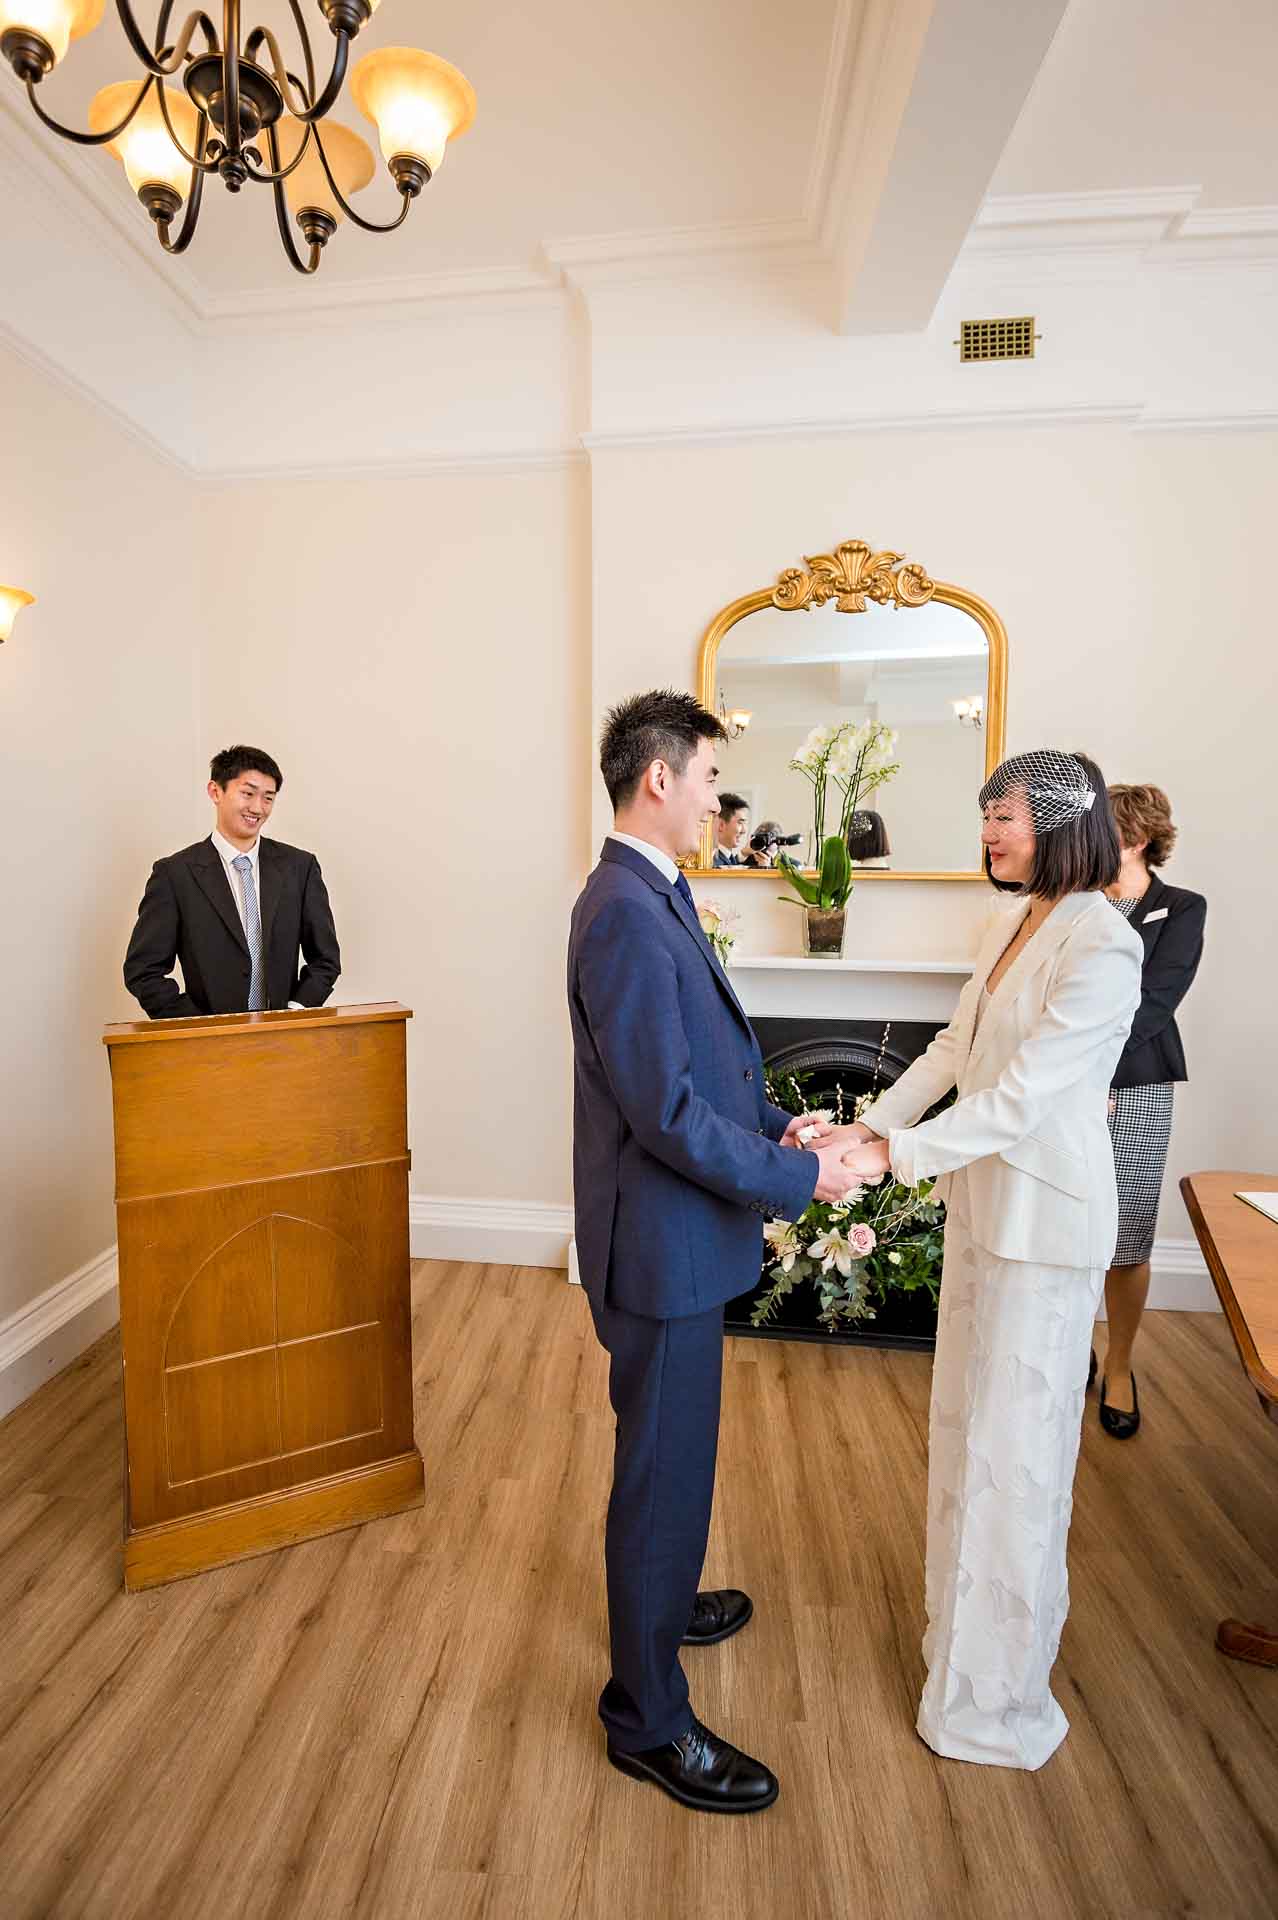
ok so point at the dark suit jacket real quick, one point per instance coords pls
(188, 914)
(1170, 923)
(675, 1161)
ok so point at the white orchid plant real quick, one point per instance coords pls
(719, 924)
(881, 1239)
(854, 758)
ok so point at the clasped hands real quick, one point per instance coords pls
(841, 1151)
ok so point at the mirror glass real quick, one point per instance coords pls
(922, 671)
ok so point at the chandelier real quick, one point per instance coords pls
(242, 114)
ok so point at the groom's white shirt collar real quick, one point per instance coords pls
(661, 861)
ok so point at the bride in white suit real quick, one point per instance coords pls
(1027, 1175)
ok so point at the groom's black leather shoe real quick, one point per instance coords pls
(717, 1616)
(701, 1771)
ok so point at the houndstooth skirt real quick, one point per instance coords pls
(1140, 1128)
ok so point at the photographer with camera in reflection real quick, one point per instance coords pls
(766, 839)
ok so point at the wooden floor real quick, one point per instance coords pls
(400, 1720)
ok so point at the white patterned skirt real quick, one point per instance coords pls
(1007, 1408)
(1140, 1128)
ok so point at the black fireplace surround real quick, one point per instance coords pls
(858, 1055)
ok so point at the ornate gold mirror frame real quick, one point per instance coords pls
(850, 576)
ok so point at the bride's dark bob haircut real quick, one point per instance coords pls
(1079, 856)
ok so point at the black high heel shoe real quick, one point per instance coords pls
(1117, 1423)
(1091, 1370)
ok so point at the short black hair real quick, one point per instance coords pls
(233, 761)
(1080, 856)
(730, 803)
(661, 725)
(867, 836)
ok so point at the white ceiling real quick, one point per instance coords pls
(1153, 93)
(600, 118)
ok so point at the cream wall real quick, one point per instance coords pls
(414, 653)
(1124, 565)
(97, 739)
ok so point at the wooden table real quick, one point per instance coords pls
(1240, 1247)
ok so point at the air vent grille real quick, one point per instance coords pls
(998, 339)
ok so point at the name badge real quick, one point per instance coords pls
(1159, 913)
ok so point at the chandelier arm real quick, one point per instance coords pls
(186, 232)
(195, 159)
(269, 179)
(295, 7)
(152, 62)
(88, 139)
(281, 214)
(284, 80)
(336, 80)
(369, 226)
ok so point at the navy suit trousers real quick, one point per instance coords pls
(664, 1382)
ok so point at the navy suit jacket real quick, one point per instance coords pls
(675, 1156)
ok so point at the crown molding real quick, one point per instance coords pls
(456, 460)
(673, 253)
(827, 426)
(32, 356)
(1135, 417)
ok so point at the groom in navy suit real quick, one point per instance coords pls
(678, 1158)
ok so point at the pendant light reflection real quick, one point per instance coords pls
(12, 601)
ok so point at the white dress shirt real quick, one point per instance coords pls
(229, 856)
(661, 861)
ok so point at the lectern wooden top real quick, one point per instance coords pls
(212, 1026)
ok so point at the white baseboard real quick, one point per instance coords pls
(1178, 1281)
(55, 1328)
(507, 1233)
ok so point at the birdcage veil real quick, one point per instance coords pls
(1054, 785)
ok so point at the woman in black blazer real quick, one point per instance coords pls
(1169, 921)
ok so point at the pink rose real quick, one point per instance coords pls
(862, 1239)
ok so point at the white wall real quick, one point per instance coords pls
(97, 744)
(414, 653)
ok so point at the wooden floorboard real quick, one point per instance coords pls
(399, 1721)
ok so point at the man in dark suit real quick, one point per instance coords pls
(730, 834)
(678, 1157)
(234, 910)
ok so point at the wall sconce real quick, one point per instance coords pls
(12, 601)
(970, 712)
(735, 722)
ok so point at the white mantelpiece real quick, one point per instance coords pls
(791, 986)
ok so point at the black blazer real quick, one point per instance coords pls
(1170, 923)
(188, 914)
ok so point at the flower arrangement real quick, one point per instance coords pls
(854, 759)
(882, 1239)
(719, 924)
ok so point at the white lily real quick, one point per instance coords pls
(832, 1250)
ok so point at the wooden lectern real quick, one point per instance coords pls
(261, 1165)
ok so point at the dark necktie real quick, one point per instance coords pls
(684, 892)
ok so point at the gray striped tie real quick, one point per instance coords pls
(252, 929)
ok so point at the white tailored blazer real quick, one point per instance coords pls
(1030, 1124)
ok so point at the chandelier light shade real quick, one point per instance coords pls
(145, 148)
(307, 188)
(12, 601)
(239, 109)
(417, 102)
(54, 23)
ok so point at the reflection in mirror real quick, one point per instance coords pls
(922, 671)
